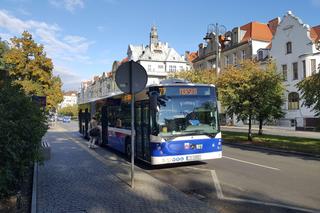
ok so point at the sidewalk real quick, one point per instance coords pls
(79, 179)
(271, 130)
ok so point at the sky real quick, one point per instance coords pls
(84, 37)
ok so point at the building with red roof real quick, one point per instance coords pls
(236, 45)
(247, 40)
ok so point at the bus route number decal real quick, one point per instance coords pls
(188, 91)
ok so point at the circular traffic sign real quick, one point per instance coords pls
(131, 77)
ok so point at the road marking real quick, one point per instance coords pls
(255, 164)
(217, 184)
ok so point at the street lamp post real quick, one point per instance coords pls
(217, 30)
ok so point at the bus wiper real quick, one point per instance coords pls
(200, 132)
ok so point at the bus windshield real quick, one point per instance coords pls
(187, 115)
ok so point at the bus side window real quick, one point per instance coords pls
(118, 123)
(111, 117)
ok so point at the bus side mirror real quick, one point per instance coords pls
(153, 97)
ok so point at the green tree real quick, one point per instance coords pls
(4, 47)
(54, 93)
(22, 126)
(207, 76)
(248, 92)
(32, 69)
(310, 89)
(271, 88)
(69, 110)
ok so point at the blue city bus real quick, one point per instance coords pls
(174, 122)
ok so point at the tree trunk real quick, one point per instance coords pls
(249, 133)
(260, 126)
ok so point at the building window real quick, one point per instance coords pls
(234, 57)
(172, 68)
(295, 70)
(313, 66)
(260, 55)
(304, 69)
(289, 47)
(243, 55)
(285, 72)
(293, 101)
(160, 66)
(149, 68)
(226, 59)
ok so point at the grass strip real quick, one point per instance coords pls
(306, 145)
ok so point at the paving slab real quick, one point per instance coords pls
(79, 179)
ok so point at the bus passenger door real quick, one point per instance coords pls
(138, 129)
(104, 125)
(145, 130)
(80, 121)
(142, 130)
(87, 117)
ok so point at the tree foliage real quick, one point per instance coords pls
(29, 67)
(310, 89)
(250, 92)
(22, 126)
(54, 93)
(271, 96)
(4, 47)
(69, 110)
(197, 76)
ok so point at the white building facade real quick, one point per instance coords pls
(296, 51)
(157, 58)
(69, 99)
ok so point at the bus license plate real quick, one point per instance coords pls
(194, 157)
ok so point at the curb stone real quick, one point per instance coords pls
(34, 188)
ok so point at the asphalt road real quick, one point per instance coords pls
(247, 180)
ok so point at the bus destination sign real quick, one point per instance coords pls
(188, 91)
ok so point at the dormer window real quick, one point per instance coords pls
(289, 47)
(260, 55)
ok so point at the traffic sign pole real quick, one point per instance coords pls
(131, 78)
(132, 127)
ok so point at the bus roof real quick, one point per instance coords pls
(183, 84)
(177, 82)
(166, 82)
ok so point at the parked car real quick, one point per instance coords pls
(66, 119)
